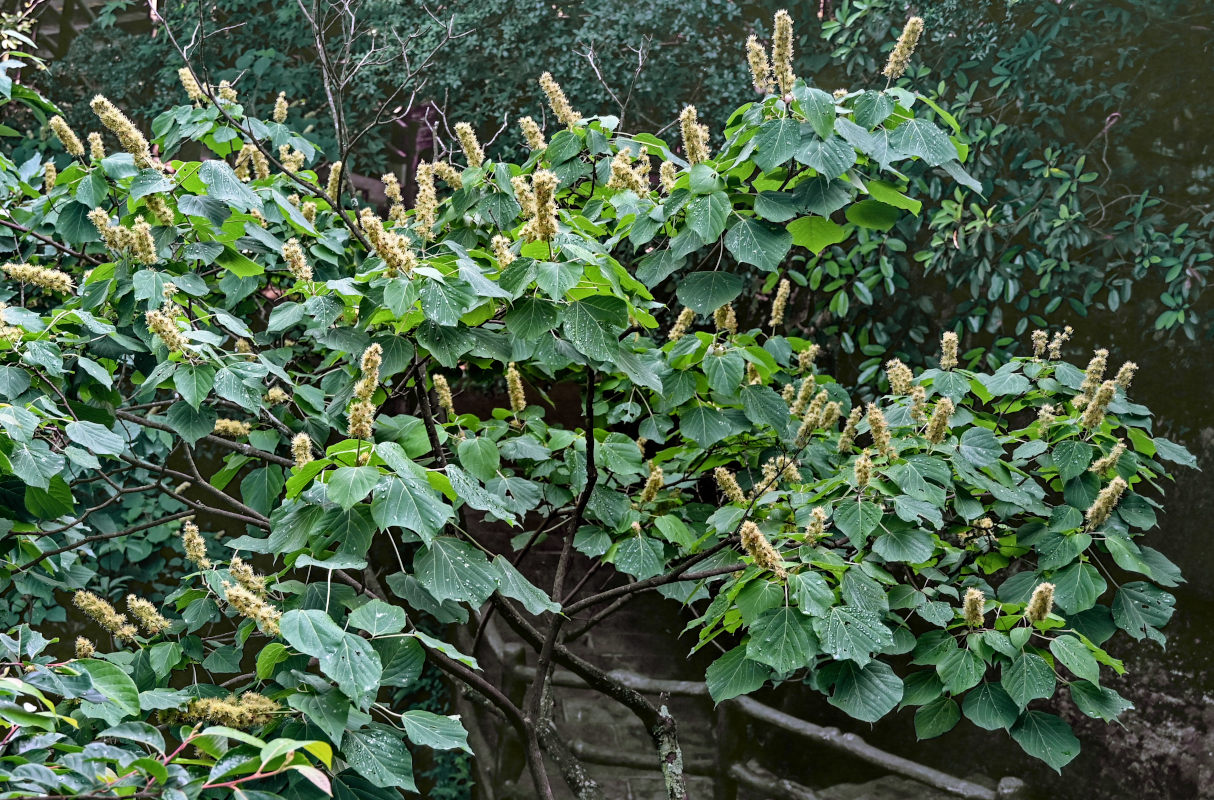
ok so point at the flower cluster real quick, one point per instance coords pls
(561, 108)
(761, 550)
(695, 136)
(899, 58)
(43, 277)
(128, 135)
(104, 615)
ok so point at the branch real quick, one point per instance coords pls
(239, 447)
(60, 247)
(100, 537)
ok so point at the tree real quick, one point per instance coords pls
(236, 337)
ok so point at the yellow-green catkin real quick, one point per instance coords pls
(161, 209)
(42, 277)
(532, 135)
(49, 176)
(543, 223)
(360, 420)
(974, 607)
(193, 89)
(668, 174)
(937, 426)
(243, 572)
(425, 203)
(807, 357)
(761, 550)
(128, 135)
(96, 146)
(622, 175)
(249, 710)
(301, 449)
(948, 351)
(226, 92)
(280, 108)
(879, 429)
(781, 52)
(830, 415)
(863, 470)
(1094, 410)
(164, 326)
(1046, 416)
(442, 390)
(251, 606)
(1060, 338)
(900, 376)
(449, 173)
(682, 325)
(502, 252)
(760, 67)
(1125, 375)
(523, 194)
(514, 386)
(146, 615)
(104, 615)
(726, 319)
(231, 428)
(297, 261)
(918, 409)
(308, 209)
(695, 136)
(1102, 507)
(1041, 603)
(143, 244)
(1094, 374)
(292, 160)
(653, 484)
(817, 524)
(372, 359)
(804, 395)
(469, 144)
(391, 247)
(848, 437)
(558, 102)
(780, 304)
(728, 484)
(1103, 465)
(195, 546)
(1041, 340)
(899, 58)
(276, 396)
(85, 648)
(396, 212)
(67, 137)
(334, 182)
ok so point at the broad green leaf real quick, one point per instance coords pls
(705, 292)
(782, 639)
(1047, 737)
(853, 634)
(1071, 458)
(514, 584)
(936, 718)
(378, 618)
(707, 215)
(1076, 657)
(816, 233)
(97, 438)
(980, 447)
(113, 683)
(704, 425)
(1140, 609)
(753, 241)
(1028, 678)
(733, 675)
(378, 753)
(350, 485)
(989, 707)
(311, 632)
(433, 730)
(866, 693)
(1097, 702)
(960, 670)
(452, 570)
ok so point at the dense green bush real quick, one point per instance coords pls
(229, 339)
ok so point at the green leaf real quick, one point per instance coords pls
(921, 138)
(1071, 458)
(812, 593)
(222, 184)
(989, 707)
(1028, 678)
(149, 181)
(311, 632)
(776, 141)
(936, 718)
(707, 215)
(853, 634)
(354, 665)
(514, 584)
(960, 670)
(1098, 703)
(866, 693)
(818, 107)
(640, 557)
(585, 332)
(270, 656)
(1174, 452)
(763, 406)
(329, 711)
(1077, 587)
(910, 545)
(350, 485)
(889, 194)
(858, 520)
(433, 730)
(871, 109)
(1047, 737)
(1076, 657)
(782, 639)
(724, 370)
(479, 455)
(193, 382)
(704, 425)
(816, 233)
(733, 675)
(753, 241)
(378, 618)
(453, 570)
(829, 157)
(97, 438)
(1140, 608)
(980, 447)
(705, 292)
(113, 683)
(378, 753)
(531, 317)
